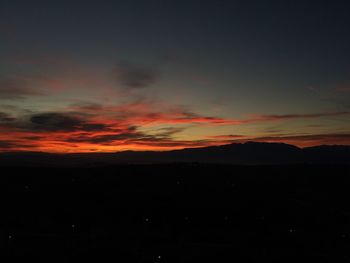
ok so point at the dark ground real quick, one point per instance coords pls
(177, 213)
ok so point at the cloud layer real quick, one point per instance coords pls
(136, 125)
(118, 119)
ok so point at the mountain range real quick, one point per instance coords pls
(249, 153)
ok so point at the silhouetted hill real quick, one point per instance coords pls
(250, 153)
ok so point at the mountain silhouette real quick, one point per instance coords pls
(249, 153)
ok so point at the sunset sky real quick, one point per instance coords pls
(87, 76)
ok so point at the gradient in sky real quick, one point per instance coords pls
(87, 76)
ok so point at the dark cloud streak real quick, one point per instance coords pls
(5, 117)
(63, 122)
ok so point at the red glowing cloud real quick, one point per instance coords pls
(91, 127)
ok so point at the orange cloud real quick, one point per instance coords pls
(95, 127)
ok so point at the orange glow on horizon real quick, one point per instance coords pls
(138, 126)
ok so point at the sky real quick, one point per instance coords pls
(105, 76)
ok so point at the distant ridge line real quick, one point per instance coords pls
(249, 153)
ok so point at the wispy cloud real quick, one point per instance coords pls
(17, 88)
(226, 137)
(7, 144)
(140, 124)
(151, 113)
(343, 88)
(135, 76)
(92, 126)
(263, 118)
(5, 117)
(17, 145)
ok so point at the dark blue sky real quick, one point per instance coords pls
(230, 59)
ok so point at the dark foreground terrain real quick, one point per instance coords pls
(177, 213)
